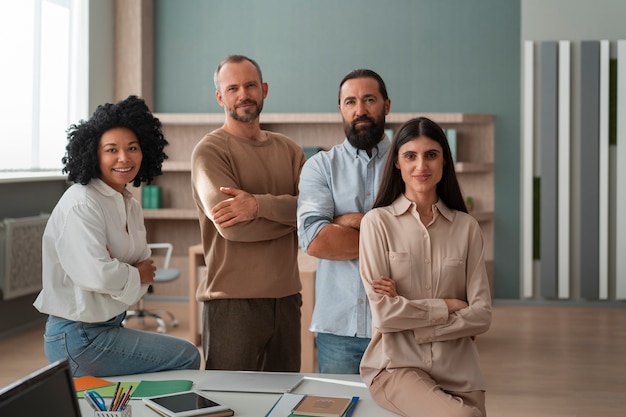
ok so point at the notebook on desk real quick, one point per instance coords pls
(248, 381)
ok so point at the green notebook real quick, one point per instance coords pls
(145, 388)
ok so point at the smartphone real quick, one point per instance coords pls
(187, 404)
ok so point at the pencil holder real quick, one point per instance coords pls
(126, 412)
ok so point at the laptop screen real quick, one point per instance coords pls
(47, 392)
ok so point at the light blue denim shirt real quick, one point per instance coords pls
(335, 182)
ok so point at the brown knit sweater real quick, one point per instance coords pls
(255, 259)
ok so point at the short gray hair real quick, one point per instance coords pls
(235, 59)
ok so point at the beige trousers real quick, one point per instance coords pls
(411, 392)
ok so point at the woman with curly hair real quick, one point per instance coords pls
(96, 260)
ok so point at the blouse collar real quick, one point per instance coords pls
(402, 204)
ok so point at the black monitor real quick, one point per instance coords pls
(47, 392)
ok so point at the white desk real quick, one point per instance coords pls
(257, 405)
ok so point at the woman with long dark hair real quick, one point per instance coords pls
(422, 265)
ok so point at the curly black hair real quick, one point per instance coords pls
(81, 156)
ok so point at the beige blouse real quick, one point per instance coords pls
(444, 259)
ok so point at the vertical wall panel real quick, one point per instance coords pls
(620, 177)
(564, 111)
(548, 204)
(527, 171)
(589, 168)
(603, 186)
(597, 176)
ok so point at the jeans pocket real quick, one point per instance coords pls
(55, 348)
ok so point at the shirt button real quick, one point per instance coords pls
(427, 261)
(425, 236)
(428, 287)
(360, 301)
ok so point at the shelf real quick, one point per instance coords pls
(459, 167)
(170, 214)
(304, 118)
(177, 166)
(218, 118)
(192, 214)
(473, 167)
(190, 118)
(441, 118)
(178, 221)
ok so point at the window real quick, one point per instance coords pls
(43, 80)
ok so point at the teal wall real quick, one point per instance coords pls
(435, 56)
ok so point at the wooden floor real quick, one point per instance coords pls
(537, 360)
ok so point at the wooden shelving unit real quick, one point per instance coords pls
(177, 221)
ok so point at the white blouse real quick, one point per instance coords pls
(93, 237)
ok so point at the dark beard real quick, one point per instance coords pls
(365, 138)
(248, 116)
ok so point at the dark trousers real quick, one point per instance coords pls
(255, 334)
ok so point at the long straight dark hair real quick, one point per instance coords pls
(392, 185)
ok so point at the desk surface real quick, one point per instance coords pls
(257, 405)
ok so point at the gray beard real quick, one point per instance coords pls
(247, 117)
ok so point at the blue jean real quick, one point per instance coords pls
(109, 349)
(340, 354)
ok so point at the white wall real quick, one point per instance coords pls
(573, 19)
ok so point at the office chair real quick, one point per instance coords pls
(163, 274)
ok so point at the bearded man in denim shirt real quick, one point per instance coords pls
(337, 187)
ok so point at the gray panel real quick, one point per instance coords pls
(589, 168)
(549, 166)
